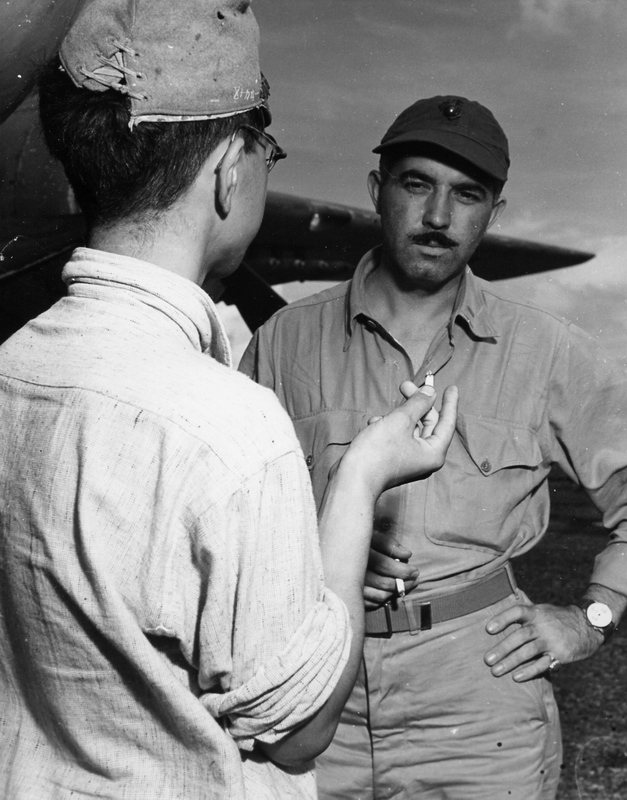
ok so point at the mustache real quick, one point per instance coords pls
(430, 238)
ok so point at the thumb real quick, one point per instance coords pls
(389, 546)
(418, 401)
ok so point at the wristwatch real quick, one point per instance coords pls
(599, 616)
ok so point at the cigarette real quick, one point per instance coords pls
(429, 379)
(400, 584)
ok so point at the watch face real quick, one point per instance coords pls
(599, 615)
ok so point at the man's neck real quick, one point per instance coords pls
(402, 311)
(155, 243)
(413, 316)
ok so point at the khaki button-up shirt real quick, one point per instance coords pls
(534, 391)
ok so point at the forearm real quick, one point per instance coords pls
(345, 530)
(610, 564)
(608, 582)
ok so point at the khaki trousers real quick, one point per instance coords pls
(428, 720)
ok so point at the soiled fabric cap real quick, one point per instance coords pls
(462, 126)
(176, 60)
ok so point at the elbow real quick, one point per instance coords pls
(299, 748)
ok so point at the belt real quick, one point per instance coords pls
(412, 615)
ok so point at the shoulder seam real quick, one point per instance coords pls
(526, 304)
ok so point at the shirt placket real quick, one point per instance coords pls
(400, 511)
(395, 359)
(438, 355)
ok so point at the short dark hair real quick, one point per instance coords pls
(116, 172)
(428, 150)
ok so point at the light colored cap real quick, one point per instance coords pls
(177, 60)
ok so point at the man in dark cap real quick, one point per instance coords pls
(454, 697)
(170, 625)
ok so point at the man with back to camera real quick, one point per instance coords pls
(454, 698)
(170, 626)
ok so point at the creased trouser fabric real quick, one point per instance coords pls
(428, 720)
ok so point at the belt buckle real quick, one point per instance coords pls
(419, 617)
(425, 616)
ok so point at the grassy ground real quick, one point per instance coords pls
(592, 695)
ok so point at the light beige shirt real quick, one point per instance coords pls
(162, 605)
(534, 391)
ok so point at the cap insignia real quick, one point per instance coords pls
(452, 109)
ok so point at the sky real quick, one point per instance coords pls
(554, 74)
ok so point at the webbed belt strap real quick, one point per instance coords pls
(410, 614)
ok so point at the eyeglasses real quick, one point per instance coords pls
(276, 152)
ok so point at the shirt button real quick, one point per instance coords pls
(309, 460)
(486, 466)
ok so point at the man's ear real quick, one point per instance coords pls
(227, 174)
(497, 210)
(374, 188)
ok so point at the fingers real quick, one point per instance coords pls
(538, 637)
(445, 427)
(429, 421)
(387, 453)
(385, 569)
(389, 546)
(388, 570)
(373, 598)
(383, 583)
(409, 389)
(420, 401)
(533, 668)
(518, 613)
(383, 572)
(379, 590)
(518, 650)
(417, 401)
(426, 424)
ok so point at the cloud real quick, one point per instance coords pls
(592, 295)
(556, 17)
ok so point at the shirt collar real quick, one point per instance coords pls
(178, 298)
(470, 304)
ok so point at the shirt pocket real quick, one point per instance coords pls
(324, 438)
(479, 499)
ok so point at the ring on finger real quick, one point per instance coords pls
(554, 663)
